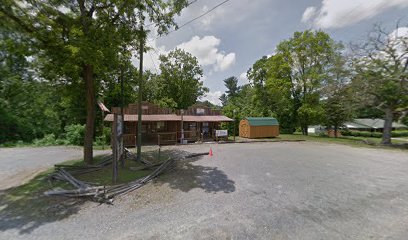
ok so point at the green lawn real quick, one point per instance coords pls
(370, 142)
(343, 140)
(30, 198)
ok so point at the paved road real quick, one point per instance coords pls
(20, 164)
(252, 191)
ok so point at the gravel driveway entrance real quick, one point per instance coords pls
(20, 164)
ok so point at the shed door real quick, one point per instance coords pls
(244, 129)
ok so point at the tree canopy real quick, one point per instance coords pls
(85, 40)
(179, 83)
(381, 66)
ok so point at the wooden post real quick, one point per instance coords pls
(103, 140)
(115, 149)
(234, 122)
(122, 156)
(139, 109)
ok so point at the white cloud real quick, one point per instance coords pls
(213, 97)
(399, 40)
(309, 13)
(399, 33)
(208, 19)
(207, 52)
(341, 13)
(205, 49)
(243, 79)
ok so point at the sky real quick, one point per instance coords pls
(228, 40)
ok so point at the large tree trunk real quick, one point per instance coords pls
(90, 113)
(304, 130)
(336, 129)
(386, 136)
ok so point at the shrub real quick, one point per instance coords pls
(361, 133)
(60, 141)
(75, 133)
(107, 135)
(104, 139)
(345, 132)
(47, 140)
(400, 133)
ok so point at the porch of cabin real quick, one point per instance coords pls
(169, 132)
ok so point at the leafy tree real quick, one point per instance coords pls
(179, 82)
(233, 89)
(307, 55)
(207, 103)
(231, 84)
(224, 100)
(243, 108)
(257, 75)
(81, 39)
(381, 74)
(337, 112)
(27, 106)
(339, 104)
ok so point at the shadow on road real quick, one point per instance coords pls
(26, 210)
(187, 176)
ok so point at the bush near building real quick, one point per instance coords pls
(400, 133)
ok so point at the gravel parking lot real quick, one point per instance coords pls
(18, 165)
(251, 191)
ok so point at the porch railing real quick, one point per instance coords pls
(165, 138)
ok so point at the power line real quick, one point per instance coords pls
(202, 15)
(188, 4)
(154, 64)
(151, 57)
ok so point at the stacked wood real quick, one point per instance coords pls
(106, 193)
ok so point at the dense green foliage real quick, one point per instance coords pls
(179, 84)
(56, 64)
(289, 84)
(78, 46)
(401, 133)
(381, 68)
(310, 80)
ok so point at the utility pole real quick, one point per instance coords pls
(122, 100)
(139, 109)
(182, 127)
(233, 113)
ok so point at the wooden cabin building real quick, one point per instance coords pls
(163, 125)
(258, 127)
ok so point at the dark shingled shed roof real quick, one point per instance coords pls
(262, 121)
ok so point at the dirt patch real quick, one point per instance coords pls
(20, 178)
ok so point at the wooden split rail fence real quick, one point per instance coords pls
(104, 194)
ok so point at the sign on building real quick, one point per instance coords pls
(221, 133)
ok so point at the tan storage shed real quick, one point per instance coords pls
(258, 127)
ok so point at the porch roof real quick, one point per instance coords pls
(147, 117)
(208, 118)
(171, 117)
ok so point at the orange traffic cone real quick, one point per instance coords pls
(210, 153)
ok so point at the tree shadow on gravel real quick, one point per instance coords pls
(25, 209)
(186, 176)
